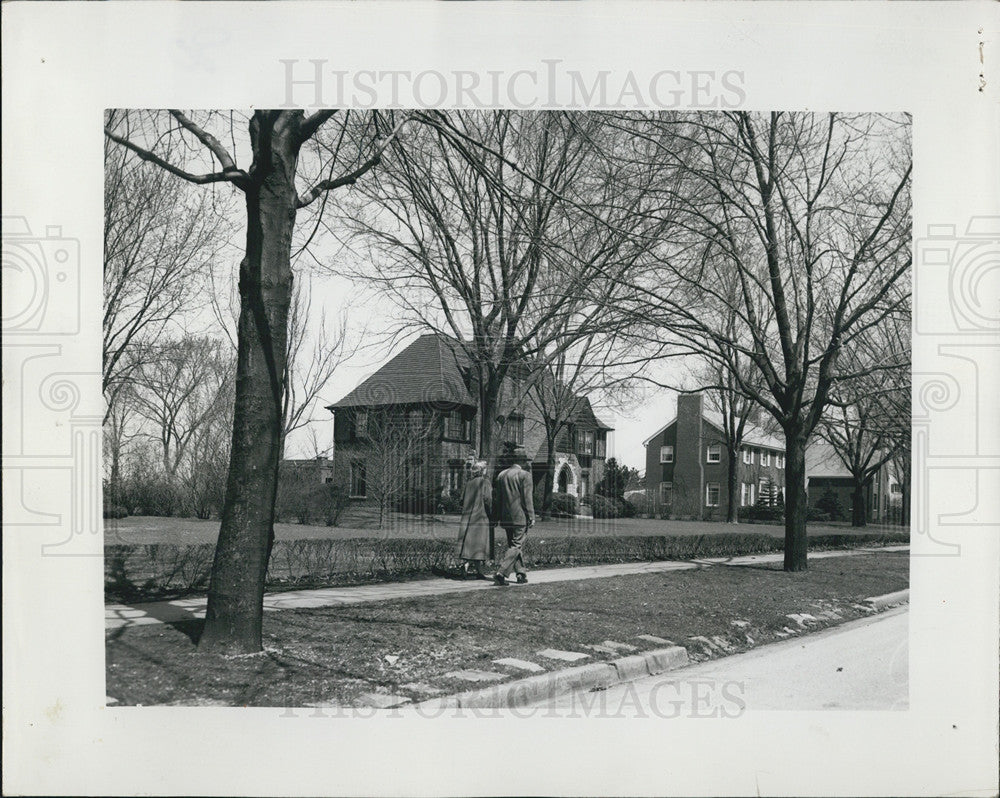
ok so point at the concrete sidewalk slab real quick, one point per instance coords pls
(118, 616)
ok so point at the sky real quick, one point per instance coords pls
(372, 319)
(632, 424)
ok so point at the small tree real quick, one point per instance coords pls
(397, 454)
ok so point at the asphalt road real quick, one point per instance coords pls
(861, 665)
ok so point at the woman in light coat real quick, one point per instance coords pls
(474, 529)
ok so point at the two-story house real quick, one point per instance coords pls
(412, 424)
(687, 467)
(828, 478)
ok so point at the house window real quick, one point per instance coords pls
(600, 445)
(514, 429)
(585, 442)
(765, 458)
(455, 473)
(896, 487)
(752, 496)
(456, 427)
(779, 461)
(744, 493)
(748, 456)
(359, 487)
(712, 494)
(714, 454)
(666, 493)
(666, 454)
(415, 420)
(765, 492)
(328, 480)
(361, 423)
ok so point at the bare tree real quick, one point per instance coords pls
(182, 389)
(159, 239)
(396, 454)
(477, 231)
(811, 214)
(316, 349)
(868, 422)
(294, 164)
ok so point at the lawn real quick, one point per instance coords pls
(188, 531)
(335, 655)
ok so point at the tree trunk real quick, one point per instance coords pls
(731, 487)
(795, 502)
(489, 395)
(235, 599)
(550, 473)
(859, 508)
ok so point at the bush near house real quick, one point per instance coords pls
(831, 505)
(564, 506)
(604, 507)
(309, 502)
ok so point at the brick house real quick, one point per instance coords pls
(828, 477)
(687, 466)
(430, 391)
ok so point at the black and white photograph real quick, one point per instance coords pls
(501, 398)
(653, 370)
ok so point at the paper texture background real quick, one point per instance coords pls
(63, 64)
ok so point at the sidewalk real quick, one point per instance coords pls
(119, 616)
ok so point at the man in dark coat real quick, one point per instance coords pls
(515, 512)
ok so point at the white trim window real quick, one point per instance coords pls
(753, 497)
(714, 453)
(712, 494)
(747, 456)
(666, 493)
(666, 454)
(765, 458)
(743, 494)
(779, 461)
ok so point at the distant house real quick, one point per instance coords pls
(313, 469)
(828, 478)
(430, 390)
(687, 466)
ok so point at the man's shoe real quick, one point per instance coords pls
(499, 579)
(522, 579)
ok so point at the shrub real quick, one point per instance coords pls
(151, 496)
(115, 511)
(762, 514)
(451, 501)
(604, 507)
(419, 501)
(564, 506)
(832, 506)
(639, 504)
(154, 571)
(817, 515)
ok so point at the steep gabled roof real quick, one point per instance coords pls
(429, 370)
(585, 416)
(752, 434)
(822, 460)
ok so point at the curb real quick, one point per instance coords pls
(888, 600)
(533, 689)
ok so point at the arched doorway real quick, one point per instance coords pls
(562, 482)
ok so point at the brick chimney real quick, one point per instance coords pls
(689, 478)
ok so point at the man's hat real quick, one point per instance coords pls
(519, 453)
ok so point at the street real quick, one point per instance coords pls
(858, 665)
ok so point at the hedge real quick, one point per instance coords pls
(134, 572)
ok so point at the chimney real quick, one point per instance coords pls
(689, 480)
